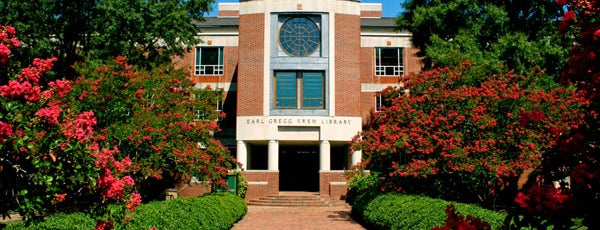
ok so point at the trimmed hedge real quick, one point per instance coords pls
(210, 211)
(402, 211)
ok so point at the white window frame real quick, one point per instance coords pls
(389, 70)
(208, 70)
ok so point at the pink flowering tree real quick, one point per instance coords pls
(458, 134)
(50, 158)
(157, 120)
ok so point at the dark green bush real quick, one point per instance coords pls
(73, 221)
(401, 211)
(211, 211)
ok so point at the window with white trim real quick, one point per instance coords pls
(389, 61)
(299, 90)
(209, 61)
(381, 102)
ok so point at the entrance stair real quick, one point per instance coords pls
(297, 199)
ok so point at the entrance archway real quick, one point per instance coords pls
(299, 168)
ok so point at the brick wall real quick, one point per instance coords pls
(412, 61)
(251, 62)
(337, 189)
(347, 65)
(261, 183)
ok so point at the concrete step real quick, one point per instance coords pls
(292, 199)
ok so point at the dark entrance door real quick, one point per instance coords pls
(299, 169)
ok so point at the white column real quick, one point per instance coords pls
(325, 155)
(242, 154)
(273, 155)
(356, 157)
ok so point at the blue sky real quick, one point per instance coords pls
(391, 8)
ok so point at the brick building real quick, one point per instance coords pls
(299, 79)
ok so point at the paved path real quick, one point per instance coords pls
(301, 218)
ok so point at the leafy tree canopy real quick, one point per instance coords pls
(492, 34)
(148, 32)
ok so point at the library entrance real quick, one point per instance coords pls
(299, 168)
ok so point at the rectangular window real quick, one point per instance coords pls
(389, 61)
(299, 90)
(381, 102)
(209, 61)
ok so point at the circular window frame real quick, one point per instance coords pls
(295, 52)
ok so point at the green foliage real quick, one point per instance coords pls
(242, 183)
(211, 211)
(361, 182)
(401, 211)
(518, 35)
(73, 221)
(150, 32)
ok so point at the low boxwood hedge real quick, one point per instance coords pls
(402, 211)
(211, 211)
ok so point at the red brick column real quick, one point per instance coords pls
(261, 183)
(347, 65)
(251, 65)
(333, 184)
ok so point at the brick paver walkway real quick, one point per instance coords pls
(301, 218)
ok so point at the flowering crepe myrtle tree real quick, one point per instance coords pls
(50, 158)
(158, 120)
(454, 133)
(582, 162)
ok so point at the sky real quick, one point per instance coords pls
(391, 8)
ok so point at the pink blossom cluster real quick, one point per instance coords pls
(111, 187)
(7, 41)
(50, 114)
(61, 87)
(80, 128)
(134, 201)
(20, 90)
(33, 72)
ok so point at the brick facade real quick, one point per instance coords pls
(347, 69)
(352, 71)
(261, 183)
(251, 65)
(332, 184)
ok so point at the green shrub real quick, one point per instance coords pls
(211, 211)
(73, 221)
(401, 211)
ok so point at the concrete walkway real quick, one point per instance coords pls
(291, 218)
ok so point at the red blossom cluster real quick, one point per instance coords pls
(544, 200)
(81, 128)
(456, 123)
(7, 42)
(455, 221)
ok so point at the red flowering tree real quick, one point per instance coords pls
(582, 162)
(458, 134)
(157, 120)
(49, 156)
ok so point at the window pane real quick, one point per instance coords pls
(312, 90)
(285, 90)
(389, 57)
(210, 56)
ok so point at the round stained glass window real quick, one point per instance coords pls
(299, 37)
